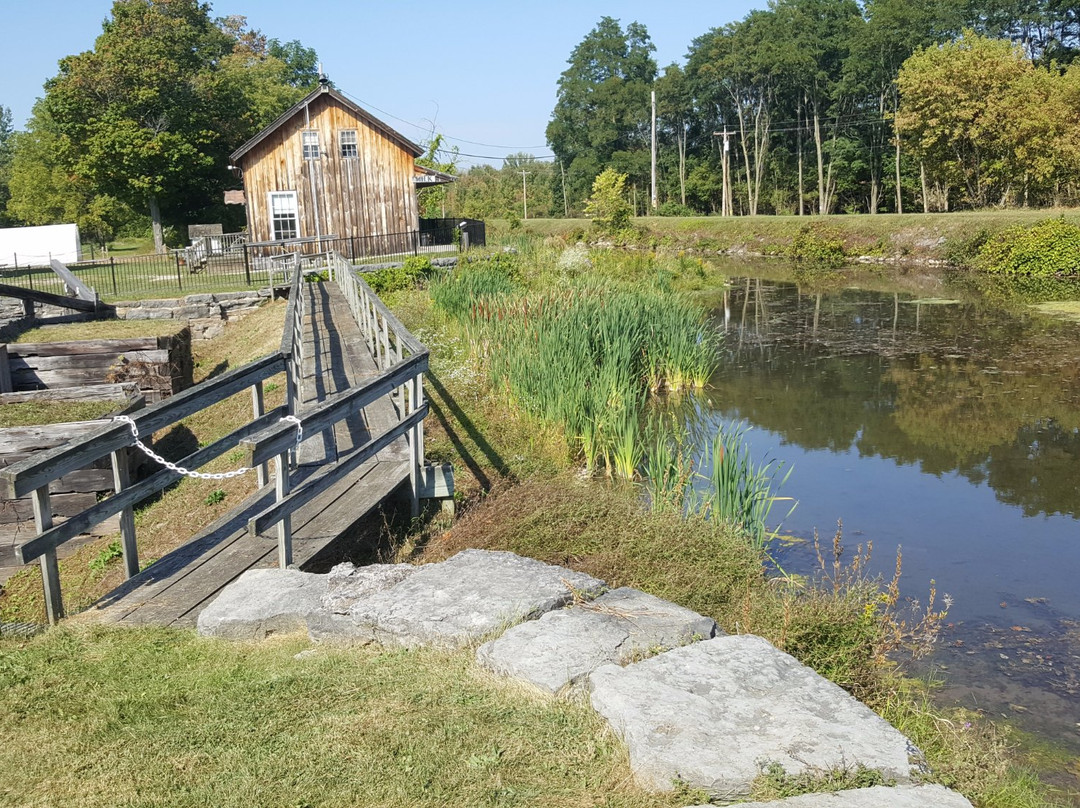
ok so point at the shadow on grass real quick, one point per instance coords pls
(494, 459)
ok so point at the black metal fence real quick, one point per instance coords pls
(233, 265)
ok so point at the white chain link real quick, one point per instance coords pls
(199, 475)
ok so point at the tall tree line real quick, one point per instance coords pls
(139, 128)
(835, 106)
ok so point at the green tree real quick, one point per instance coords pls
(7, 153)
(983, 118)
(603, 104)
(45, 191)
(607, 206)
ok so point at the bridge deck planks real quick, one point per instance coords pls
(174, 590)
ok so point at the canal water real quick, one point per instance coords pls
(927, 418)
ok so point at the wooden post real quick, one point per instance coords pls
(416, 442)
(28, 308)
(50, 567)
(5, 370)
(284, 527)
(258, 407)
(121, 479)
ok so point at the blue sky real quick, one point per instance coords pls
(482, 72)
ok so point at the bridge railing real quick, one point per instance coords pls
(402, 359)
(33, 475)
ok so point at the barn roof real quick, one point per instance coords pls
(325, 89)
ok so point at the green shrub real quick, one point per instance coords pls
(404, 276)
(674, 209)
(964, 252)
(1049, 248)
(607, 206)
(818, 245)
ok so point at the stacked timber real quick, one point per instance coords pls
(160, 366)
(76, 491)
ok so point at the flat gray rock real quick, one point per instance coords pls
(467, 597)
(263, 602)
(346, 584)
(924, 796)
(565, 645)
(715, 713)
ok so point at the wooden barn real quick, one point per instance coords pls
(326, 167)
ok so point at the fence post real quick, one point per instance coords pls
(5, 370)
(258, 406)
(112, 271)
(247, 267)
(416, 242)
(121, 479)
(50, 567)
(284, 527)
(179, 283)
(416, 441)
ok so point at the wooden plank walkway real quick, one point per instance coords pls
(174, 589)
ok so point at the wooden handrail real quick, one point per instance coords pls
(331, 473)
(280, 437)
(55, 536)
(19, 479)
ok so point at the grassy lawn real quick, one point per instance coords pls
(96, 717)
(100, 329)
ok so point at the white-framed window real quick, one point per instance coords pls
(284, 215)
(310, 139)
(348, 142)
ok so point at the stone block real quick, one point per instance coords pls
(566, 645)
(467, 597)
(921, 796)
(716, 713)
(262, 602)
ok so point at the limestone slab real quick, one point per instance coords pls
(565, 645)
(262, 602)
(715, 713)
(922, 796)
(346, 584)
(467, 597)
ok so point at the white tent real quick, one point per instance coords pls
(35, 246)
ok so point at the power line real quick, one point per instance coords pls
(431, 128)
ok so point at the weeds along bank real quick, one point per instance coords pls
(569, 446)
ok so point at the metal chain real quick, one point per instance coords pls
(199, 475)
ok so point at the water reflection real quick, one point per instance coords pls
(939, 383)
(935, 421)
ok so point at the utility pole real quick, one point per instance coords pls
(726, 206)
(565, 199)
(524, 194)
(654, 150)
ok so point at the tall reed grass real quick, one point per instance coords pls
(585, 357)
(741, 493)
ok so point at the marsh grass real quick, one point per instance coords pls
(585, 357)
(92, 716)
(741, 492)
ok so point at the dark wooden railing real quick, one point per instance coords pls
(402, 359)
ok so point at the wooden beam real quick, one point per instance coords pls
(76, 286)
(31, 296)
(5, 370)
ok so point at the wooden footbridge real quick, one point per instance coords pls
(350, 435)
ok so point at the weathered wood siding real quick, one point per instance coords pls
(371, 194)
(160, 366)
